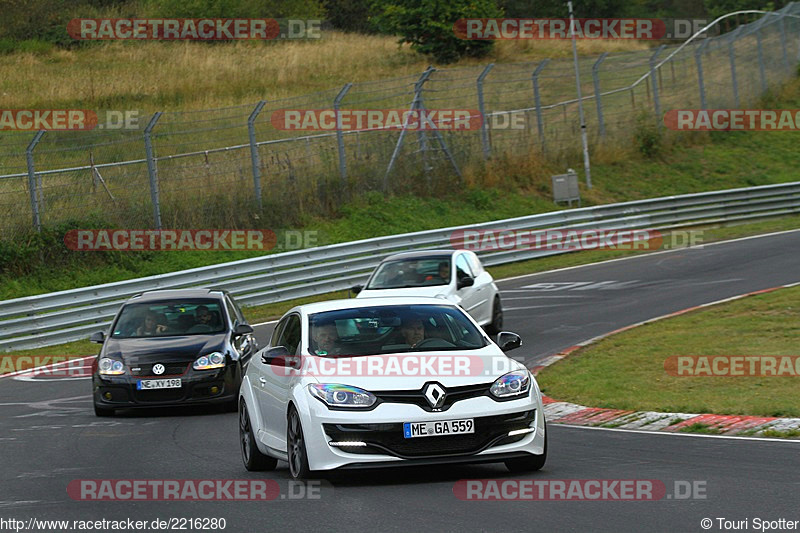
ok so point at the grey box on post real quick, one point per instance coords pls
(565, 188)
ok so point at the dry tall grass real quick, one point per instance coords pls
(190, 75)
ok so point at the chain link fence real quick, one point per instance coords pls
(232, 168)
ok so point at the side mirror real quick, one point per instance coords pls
(508, 341)
(242, 329)
(355, 289)
(98, 337)
(280, 356)
(466, 281)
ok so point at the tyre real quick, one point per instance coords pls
(496, 325)
(296, 447)
(253, 459)
(531, 463)
(102, 411)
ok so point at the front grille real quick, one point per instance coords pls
(416, 397)
(170, 369)
(388, 438)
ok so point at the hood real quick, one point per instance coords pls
(181, 348)
(429, 292)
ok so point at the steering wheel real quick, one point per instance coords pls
(434, 343)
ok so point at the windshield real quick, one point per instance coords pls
(418, 272)
(392, 329)
(169, 318)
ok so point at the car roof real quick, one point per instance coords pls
(381, 301)
(169, 294)
(420, 254)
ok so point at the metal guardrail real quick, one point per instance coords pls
(58, 317)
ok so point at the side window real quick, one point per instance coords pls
(462, 267)
(236, 317)
(276, 333)
(290, 335)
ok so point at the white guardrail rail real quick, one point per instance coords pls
(64, 316)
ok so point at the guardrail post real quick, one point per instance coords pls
(484, 128)
(255, 160)
(34, 186)
(339, 134)
(151, 169)
(538, 101)
(596, 79)
(654, 80)
(698, 53)
(732, 56)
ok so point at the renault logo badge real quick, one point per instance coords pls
(435, 394)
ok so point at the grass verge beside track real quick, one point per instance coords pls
(626, 370)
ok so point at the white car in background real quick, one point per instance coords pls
(344, 384)
(464, 282)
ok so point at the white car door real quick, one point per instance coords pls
(474, 297)
(274, 381)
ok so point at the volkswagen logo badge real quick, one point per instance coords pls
(158, 369)
(435, 394)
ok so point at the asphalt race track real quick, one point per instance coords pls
(49, 435)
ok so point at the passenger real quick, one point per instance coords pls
(150, 326)
(326, 339)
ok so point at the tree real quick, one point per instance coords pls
(428, 25)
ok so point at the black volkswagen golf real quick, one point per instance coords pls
(172, 347)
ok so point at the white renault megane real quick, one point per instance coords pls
(388, 382)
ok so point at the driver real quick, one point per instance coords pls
(413, 330)
(326, 339)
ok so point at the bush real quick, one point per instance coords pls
(428, 25)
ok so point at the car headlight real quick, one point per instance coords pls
(512, 384)
(210, 361)
(110, 367)
(335, 395)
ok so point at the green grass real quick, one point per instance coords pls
(626, 371)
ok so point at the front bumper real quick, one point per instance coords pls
(197, 387)
(381, 429)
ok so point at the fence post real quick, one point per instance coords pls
(339, 134)
(484, 129)
(732, 56)
(596, 79)
(414, 107)
(538, 101)
(654, 80)
(34, 186)
(698, 59)
(783, 43)
(761, 60)
(254, 157)
(151, 169)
